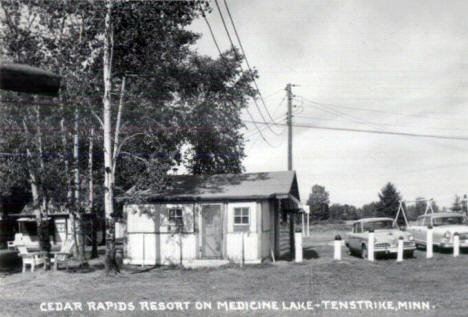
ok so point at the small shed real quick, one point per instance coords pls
(231, 217)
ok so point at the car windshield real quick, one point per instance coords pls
(378, 225)
(450, 220)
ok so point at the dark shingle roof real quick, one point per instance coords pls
(225, 186)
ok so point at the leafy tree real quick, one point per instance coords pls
(368, 210)
(170, 97)
(318, 203)
(464, 205)
(413, 211)
(51, 35)
(343, 212)
(389, 200)
(457, 204)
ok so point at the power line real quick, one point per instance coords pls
(432, 136)
(222, 58)
(232, 45)
(273, 93)
(245, 57)
(375, 124)
(376, 110)
(279, 105)
(278, 119)
(326, 108)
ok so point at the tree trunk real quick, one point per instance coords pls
(94, 251)
(108, 197)
(64, 146)
(79, 232)
(110, 262)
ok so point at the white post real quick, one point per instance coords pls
(429, 242)
(400, 250)
(308, 225)
(298, 247)
(337, 248)
(370, 244)
(456, 244)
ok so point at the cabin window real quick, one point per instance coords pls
(176, 219)
(241, 219)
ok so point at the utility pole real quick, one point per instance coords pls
(291, 216)
(289, 122)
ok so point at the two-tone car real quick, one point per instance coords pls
(445, 225)
(386, 235)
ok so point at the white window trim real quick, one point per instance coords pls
(249, 215)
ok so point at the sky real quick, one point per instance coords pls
(399, 66)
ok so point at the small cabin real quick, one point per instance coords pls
(230, 217)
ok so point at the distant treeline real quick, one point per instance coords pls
(386, 206)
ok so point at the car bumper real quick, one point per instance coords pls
(449, 245)
(394, 250)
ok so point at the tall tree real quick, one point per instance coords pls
(171, 98)
(464, 204)
(389, 200)
(457, 204)
(318, 203)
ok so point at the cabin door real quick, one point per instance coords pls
(212, 231)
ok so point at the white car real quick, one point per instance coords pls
(445, 225)
(386, 236)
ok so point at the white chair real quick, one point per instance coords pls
(31, 258)
(65, 253)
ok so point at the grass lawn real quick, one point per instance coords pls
(442, 281)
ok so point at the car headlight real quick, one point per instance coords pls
(447, 235)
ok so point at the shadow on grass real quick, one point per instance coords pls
(135, 270)
(310, 253)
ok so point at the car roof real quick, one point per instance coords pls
(443, 214)
(373, 219)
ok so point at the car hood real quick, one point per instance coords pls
(451, 228)
(390, 235)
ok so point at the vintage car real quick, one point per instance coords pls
(386, 236)
(444, 225)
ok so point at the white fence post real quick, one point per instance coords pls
(337, 248)
(429, 242)
(298, 246)
(456, 244)
(400, 250)
(370, 245)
